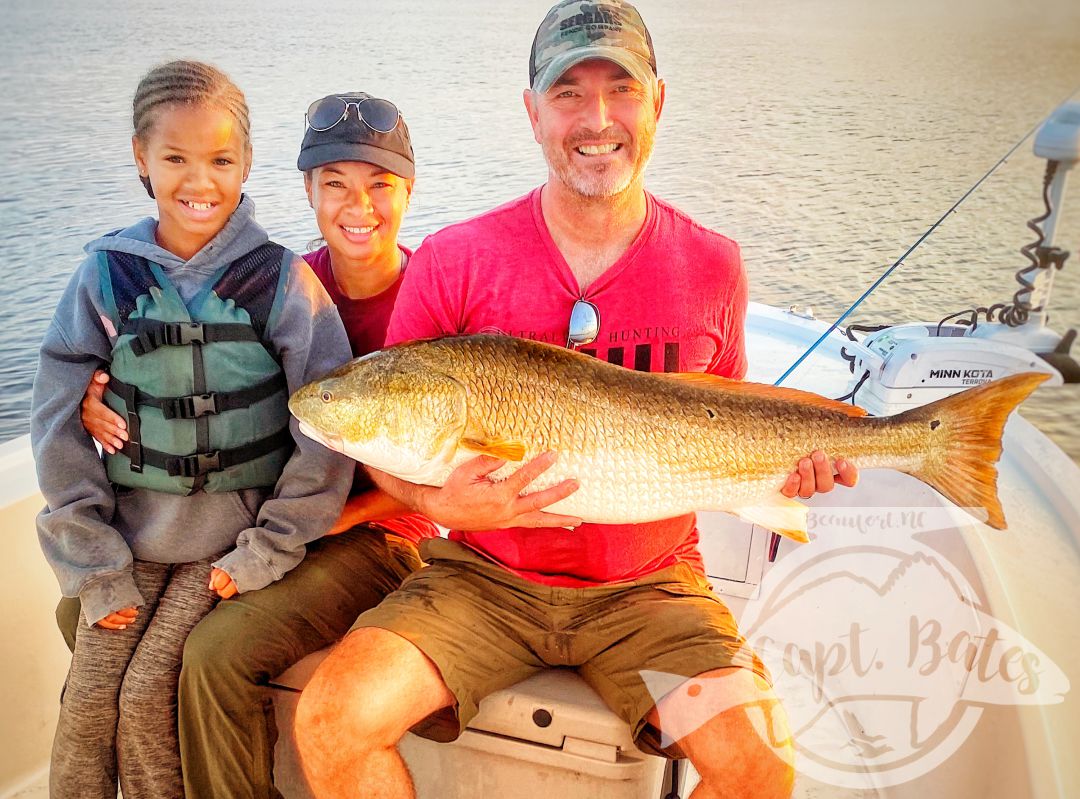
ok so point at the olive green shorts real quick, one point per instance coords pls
(485, 629)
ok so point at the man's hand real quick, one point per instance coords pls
(118, 620)
(108, 428)
(816, 475)
(471, 501)
(222, 584)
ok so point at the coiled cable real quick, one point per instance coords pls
(1040, 257)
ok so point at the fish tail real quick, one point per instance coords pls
(965, 433)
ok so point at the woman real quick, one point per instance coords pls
(358, 167)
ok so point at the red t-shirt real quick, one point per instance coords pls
(365, 322)
(675, 301)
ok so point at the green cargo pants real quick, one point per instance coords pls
(68, 612)
(227, 730)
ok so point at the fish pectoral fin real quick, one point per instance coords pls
(779, 514)
(496, 448)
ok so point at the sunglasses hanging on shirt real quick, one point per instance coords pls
(584, 324)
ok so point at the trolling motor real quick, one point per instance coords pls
(908, 365)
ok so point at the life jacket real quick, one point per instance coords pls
(197, 383)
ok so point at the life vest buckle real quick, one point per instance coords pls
(167, 334)
(194, 465)
(191, 407)
(178, 334)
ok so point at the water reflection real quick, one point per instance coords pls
(824, 135)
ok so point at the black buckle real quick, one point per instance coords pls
(181, 333)
(172, 334)
(194, 465)
(191, 407)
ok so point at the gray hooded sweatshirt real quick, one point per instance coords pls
(90, 530)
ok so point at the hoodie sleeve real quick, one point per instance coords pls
(90, 558)
(311, 491)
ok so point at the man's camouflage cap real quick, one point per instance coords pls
(574, 31)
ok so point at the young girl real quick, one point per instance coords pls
(358, 167)
(205, 327)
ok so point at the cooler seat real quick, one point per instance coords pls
(549, 733)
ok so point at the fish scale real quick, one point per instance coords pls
(642, 446)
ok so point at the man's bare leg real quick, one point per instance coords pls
(364, 697)
(734, 730)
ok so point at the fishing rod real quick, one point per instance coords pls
(921, 239)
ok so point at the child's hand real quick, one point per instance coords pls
(222, 584)
(118, 620)
(108, 428)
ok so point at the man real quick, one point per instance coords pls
(499, 602)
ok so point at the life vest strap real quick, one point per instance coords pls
(201, 463)
(150, 334)
(193, 406)
(133, 447)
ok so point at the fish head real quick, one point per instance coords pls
(394, 413)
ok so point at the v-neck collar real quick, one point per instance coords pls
(609, 274)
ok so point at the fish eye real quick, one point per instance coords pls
(327, 396)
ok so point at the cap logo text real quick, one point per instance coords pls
(603, 16)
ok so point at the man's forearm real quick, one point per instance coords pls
(374, 506)
(409, 495)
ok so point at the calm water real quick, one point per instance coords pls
(824, 135)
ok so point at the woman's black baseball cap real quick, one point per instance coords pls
(353, 139)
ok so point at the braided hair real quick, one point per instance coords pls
(186, 83)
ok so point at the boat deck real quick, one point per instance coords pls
(1027, 577)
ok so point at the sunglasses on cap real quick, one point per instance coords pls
(584, 324)
(380, 115)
